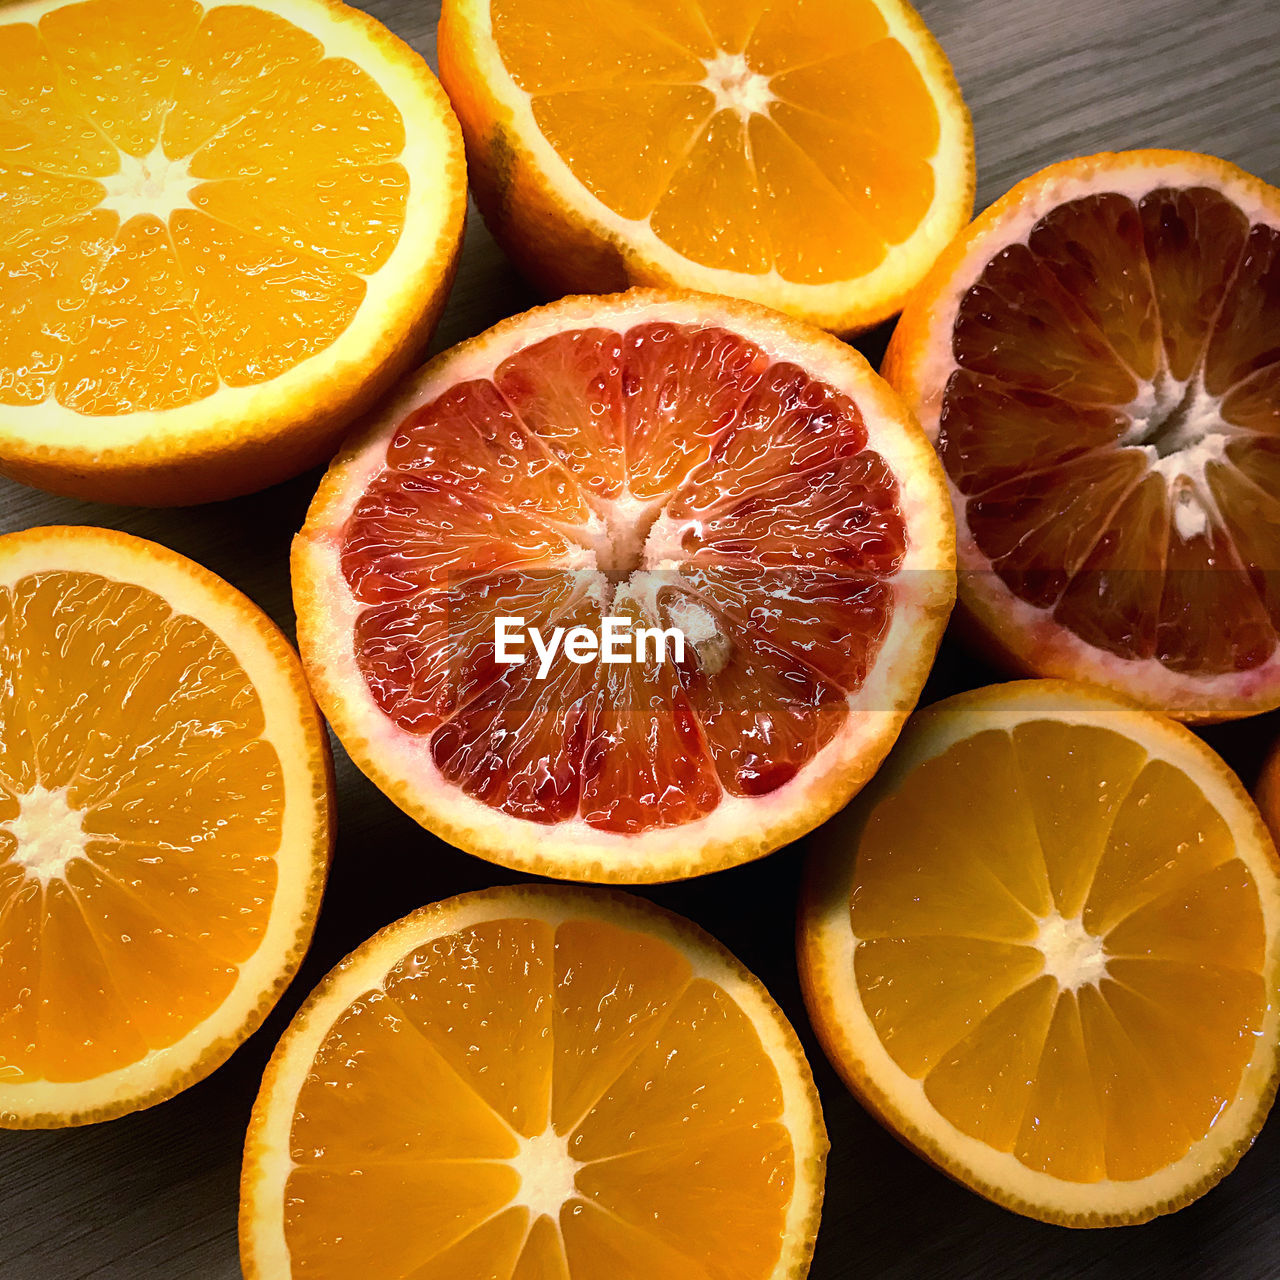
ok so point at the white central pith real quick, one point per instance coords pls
(148, 184)
(626, 534)
(1072, 955)
(736, 87)
(634, 548)
(547, 1172)
(1179, 426)
(49, 832)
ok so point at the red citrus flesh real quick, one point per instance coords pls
(1113, 425)
(581, 450)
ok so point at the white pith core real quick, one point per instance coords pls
(148, 184)
(630, 551)
(736, 87)
(1073, 956)
(620, 537)
(1180, 427)
(631, 543)
(547, 1172)
(49, 833)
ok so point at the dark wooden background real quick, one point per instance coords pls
(153, 1196)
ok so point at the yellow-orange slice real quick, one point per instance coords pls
(535, 1082)
(165, 823)
(1042, 947)
(226, 229)
(812, 155)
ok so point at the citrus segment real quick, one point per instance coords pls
(681, 467)
(575, 1082)
(163, 823)
(226, 77)
(567, 390)
(1041, 947)
(814, 157)
(44, 126)
(1095, 360)
(248, 175)
(321, 300)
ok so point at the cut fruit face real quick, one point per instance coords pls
(1097, 362)
(677, 464)
(221, 222)
(164, 823)
(1042, 948)
(577, 1083)
(815, 157)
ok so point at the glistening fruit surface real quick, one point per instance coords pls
(230, 228)
(812, 155)
(1096, 359)
(164, 823)
(1043, 946)
(579, 1085)
(175, 228)
(684, 462)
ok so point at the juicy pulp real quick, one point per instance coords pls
(672, 473)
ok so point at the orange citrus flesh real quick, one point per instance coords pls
(728, 126)
(569, 1100)
(589, 441)
(1015, 863)
(130, 734)
(1114, 425)
(280, 169)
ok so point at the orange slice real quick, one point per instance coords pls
(1042, 948)
(228, 229)
(165, 823)
(1097, 362)
(529, 1083)
(678, 462)
(811, 155)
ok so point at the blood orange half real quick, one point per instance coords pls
(683, 462)
(1098, 361)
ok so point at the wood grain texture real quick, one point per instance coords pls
(153, 1196)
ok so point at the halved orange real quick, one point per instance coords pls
(1043, 948)
(1097, 361)
(228, 228)
(165, 823)
(811, 155)
(676, 461)
(535, 1083)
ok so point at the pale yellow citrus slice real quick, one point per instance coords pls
(1042, 948)
(1097, 361)
(227, 228)
(535, 1083)
(165, 823)
(812, 155)
(679, 461)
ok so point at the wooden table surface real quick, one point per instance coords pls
(154, 1195)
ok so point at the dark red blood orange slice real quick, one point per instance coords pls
(1098, 363)
(677, 463)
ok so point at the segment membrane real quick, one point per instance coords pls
(122, 65)
(645, 763)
